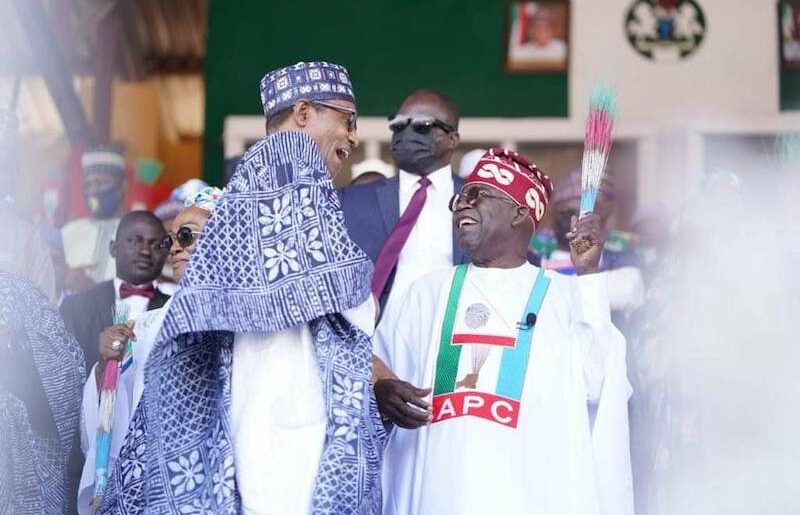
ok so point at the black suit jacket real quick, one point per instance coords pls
(371, 211)
(87, 314)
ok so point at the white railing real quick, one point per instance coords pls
(508, 132)
(658, 146)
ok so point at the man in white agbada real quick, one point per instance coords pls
(514, 358)
(86, 239)
(187, 226)
(258, 395)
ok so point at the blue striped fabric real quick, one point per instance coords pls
(34, 468)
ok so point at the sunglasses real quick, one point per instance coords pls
(472, 195)
(352, 114)
(420, 125)
(185, 237)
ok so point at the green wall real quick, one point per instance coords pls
(391, 48)
(789, 79)
(790, 91)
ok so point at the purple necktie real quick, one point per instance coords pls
(390, 252)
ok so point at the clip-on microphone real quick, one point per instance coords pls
(530, 321)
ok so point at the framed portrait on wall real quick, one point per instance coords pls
(537, 36)
(789, 19)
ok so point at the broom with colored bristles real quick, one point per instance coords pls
(105, 413)
(598, 137)
(597, 143)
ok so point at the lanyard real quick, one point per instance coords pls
(514, 362)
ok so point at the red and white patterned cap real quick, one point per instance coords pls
(511, 173)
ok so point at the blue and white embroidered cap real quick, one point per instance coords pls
(104, 159)
(318, 80)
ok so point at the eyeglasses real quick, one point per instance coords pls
(185, 237)
(352, 114)
(420, 125)
(472, 195)
(136, 242)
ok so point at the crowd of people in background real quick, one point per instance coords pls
(279, 328)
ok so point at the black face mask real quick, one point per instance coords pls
(413, 152)
(104, 203)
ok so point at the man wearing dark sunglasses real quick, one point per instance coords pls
(403, 223)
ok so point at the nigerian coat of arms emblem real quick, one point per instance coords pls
(665, 30)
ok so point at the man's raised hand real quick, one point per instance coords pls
(586, 243)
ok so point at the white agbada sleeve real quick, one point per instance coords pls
(402, 340)
(625, 288)
(406, 327)
(606, 385)
(389, 342)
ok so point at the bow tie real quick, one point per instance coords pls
(128, 290)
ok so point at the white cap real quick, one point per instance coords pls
(372, 165)
(468, 162)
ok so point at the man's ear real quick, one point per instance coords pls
(301, 112)
(454, 138)
(112, 248)
(522, 216)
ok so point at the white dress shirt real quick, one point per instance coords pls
(136, 303)
(429, 247)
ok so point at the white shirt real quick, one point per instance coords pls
(278, 416)
(472, 460)
(429, 247)
(137, 304)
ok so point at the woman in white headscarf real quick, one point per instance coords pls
(186, 228)
(167, 211)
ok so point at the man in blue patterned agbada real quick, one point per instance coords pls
(257, 396)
